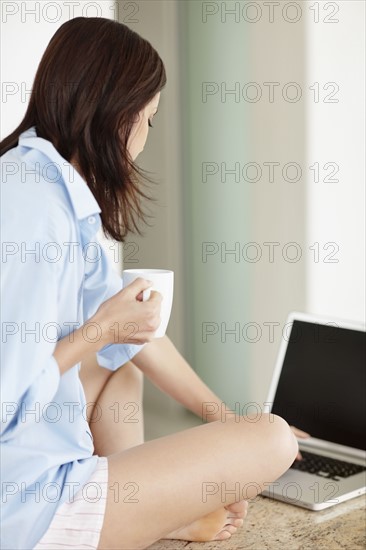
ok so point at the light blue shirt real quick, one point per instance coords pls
(54, 277)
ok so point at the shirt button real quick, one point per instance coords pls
(91, 219)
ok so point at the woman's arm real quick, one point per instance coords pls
(119, 320)
(72, 349)
(162, 363)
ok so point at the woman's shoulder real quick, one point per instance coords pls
(34, 198)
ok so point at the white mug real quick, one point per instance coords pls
(163, 282)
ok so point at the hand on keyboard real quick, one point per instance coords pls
(301, 435)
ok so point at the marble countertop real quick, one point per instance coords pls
(273, 525)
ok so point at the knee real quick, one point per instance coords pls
(131, 373)
(132, 370)
(275, 439)
(281, 439)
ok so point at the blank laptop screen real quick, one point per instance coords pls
(322, 386)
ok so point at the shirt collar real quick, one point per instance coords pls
(82, 199)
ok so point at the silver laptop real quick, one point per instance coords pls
(319, 386)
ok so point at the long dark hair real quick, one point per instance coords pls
(94, 78)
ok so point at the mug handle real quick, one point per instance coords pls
(146, 294)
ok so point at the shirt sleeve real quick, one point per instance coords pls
(102, 282)
(29, 320)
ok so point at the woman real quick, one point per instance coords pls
(75, 473)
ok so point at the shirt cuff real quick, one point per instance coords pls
(113, 356)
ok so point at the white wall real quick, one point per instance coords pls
(336, 133)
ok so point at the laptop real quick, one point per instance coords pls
(319, 386)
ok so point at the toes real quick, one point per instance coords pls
(238, 508)
(238, 516)
(230, 528)
(226, 532)
(237, 522)
(222, 536)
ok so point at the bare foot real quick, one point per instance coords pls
(218, 525)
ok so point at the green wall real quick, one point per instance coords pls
(215, 131)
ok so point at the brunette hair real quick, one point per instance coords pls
(94, 78)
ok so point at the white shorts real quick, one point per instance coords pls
(77, 524)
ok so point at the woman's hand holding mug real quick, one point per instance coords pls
(126, 319)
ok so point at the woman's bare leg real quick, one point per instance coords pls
(117, 392)
(93, 378)
(116, 420)
(174, 481)
(118, 398)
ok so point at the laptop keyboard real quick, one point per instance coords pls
(323, 466)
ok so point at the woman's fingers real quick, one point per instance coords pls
(300, 434)
(138, 286)
(125, 311)
(155, 297)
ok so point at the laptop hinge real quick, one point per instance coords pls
(342, 451)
